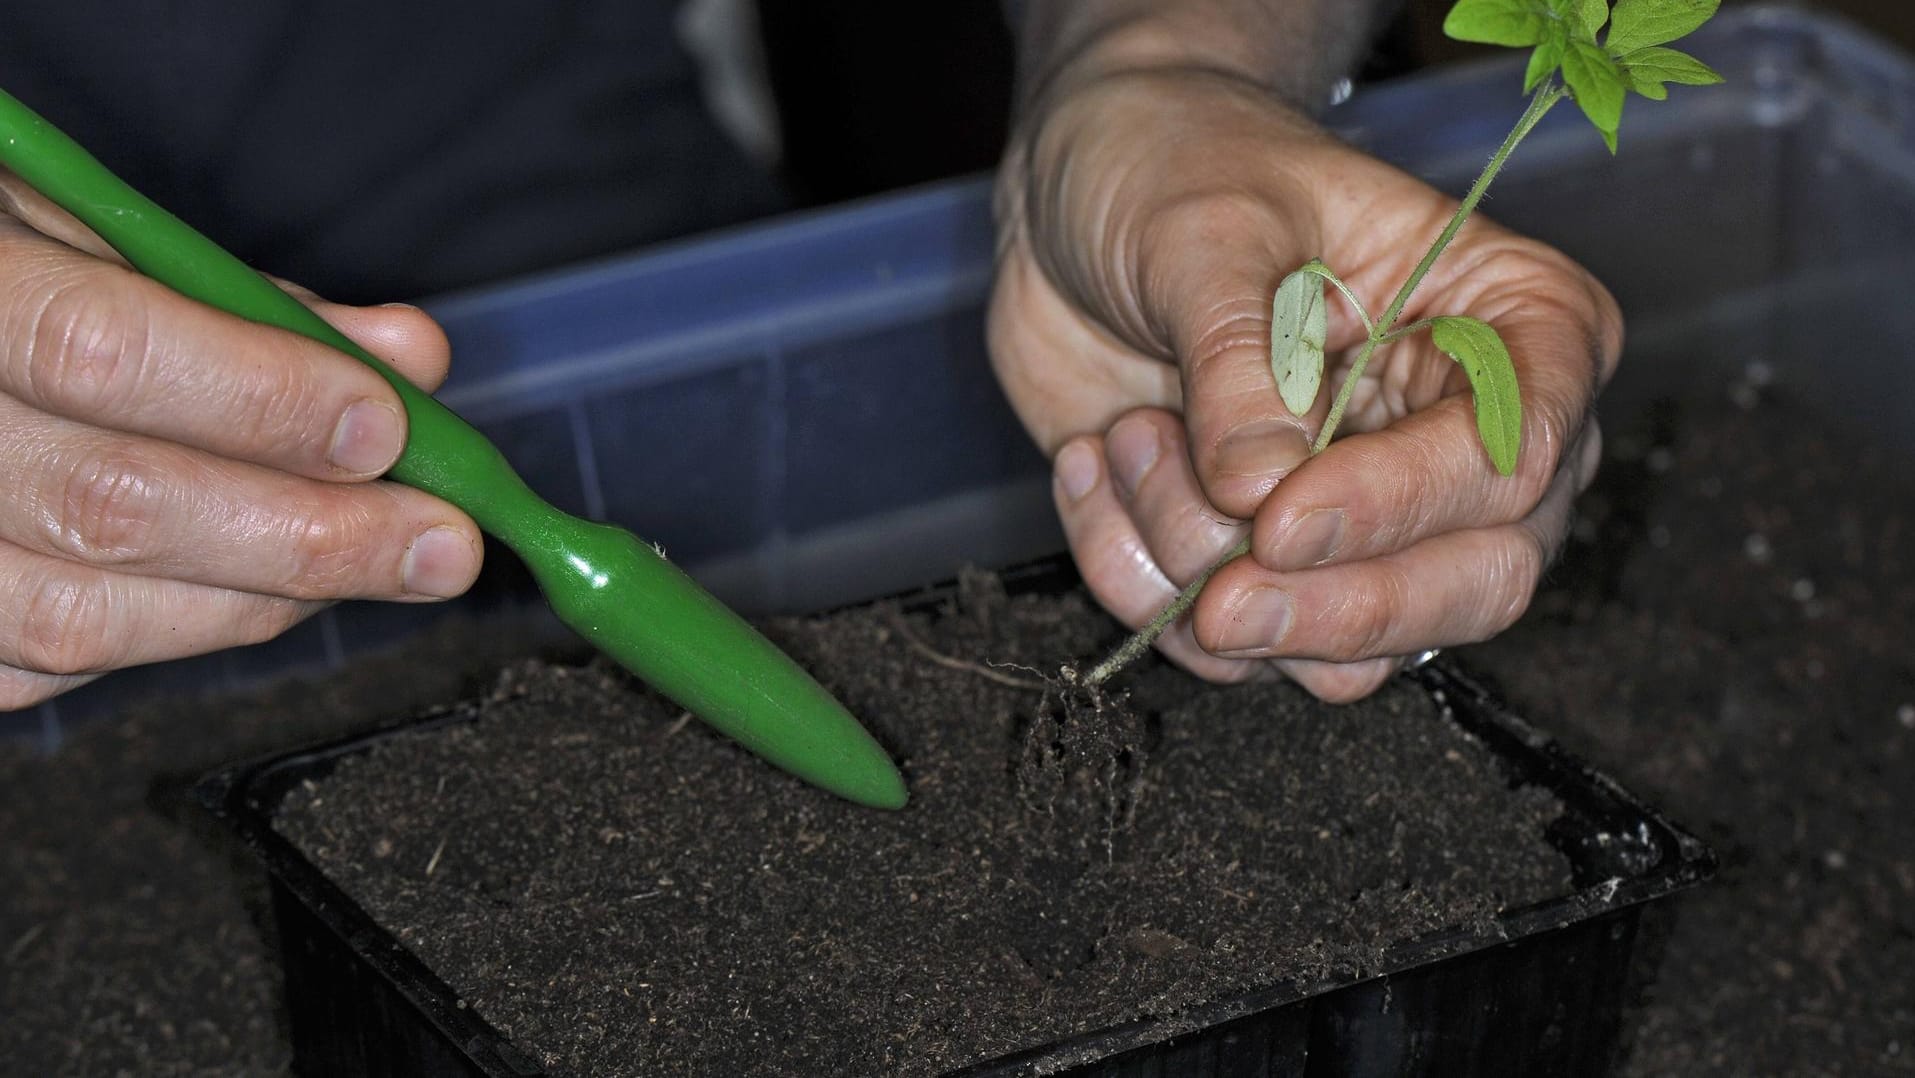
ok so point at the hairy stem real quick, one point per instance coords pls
(1139, 642)
(1544, 99)
(1356, 304)
(1379, 333)
(1401, 332)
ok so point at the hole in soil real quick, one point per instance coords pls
(1078, 760)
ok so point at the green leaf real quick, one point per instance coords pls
(1497, 22)
(1599, 86)
(1578, 19)
(1543, 63)
(1474, 344)
(1298, 328)
(1648, 69)
(1648, 88)
(1592, 14)
(1637, 24)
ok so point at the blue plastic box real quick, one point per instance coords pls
(802, 413)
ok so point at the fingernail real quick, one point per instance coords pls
(1264, 447)
(367, 439)
(400, 306)
(1133, 448)
(1257, 625)
(1076, 470)
(1312, 540)
(439, 563)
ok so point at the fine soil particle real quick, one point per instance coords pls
(623, 893)
(1729, 636)
(134, 938)
(1727, 633)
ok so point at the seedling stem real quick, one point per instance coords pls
(1540, 103)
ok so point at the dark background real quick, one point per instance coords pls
(862, 113)
(1893, 19)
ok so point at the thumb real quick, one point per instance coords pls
(1208, 286)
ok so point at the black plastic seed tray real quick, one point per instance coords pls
(1543, 994)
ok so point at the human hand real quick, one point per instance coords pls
(180, 480)
(1146, 218)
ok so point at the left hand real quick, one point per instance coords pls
(1146, 218)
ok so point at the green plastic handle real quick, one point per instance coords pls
(605, 584)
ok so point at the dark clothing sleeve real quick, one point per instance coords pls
(385, 149)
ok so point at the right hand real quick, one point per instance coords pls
(179, 480)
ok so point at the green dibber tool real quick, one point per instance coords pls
(614, 590)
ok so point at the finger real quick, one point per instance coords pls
(1151, 475)
(70, 620)
(95, 342)
(40, 214)
(1063, 375)
(1105, 549)
(1457, 588)
(1339, 683)
(1115, 563)
(1179, 644)
(405, 337)
(26, 688)
(155, 509)
(1427, 474)
(1209, 270)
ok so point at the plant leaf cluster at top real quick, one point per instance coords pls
(1600, 76)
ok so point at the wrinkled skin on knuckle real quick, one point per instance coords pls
(1557, 415)
(1117, 213)
(1401, 505)
(1514, 580)
(1229, 327)
(1365, 617)
(1605, 346)
(1073, 165)
(278, 404)
(1229, 359)
(1528, 274)
(328, 539)
(1373, 483)
(84, 347)
(1178, 230)
(1541, 455)
(1198, 212)
(67, 626)
(1010, 191)
(106, 507)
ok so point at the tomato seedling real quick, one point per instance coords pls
(1567, 61)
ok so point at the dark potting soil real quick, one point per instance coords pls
(1676, 646)
(1729, 635)
(135, 938)
(622, 892)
